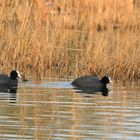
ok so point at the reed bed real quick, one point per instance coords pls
(72, 38)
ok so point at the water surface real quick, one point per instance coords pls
(55, 110)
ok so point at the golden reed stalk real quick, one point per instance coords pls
(73, 37)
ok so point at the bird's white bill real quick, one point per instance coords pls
(18, 74)
(110, 81)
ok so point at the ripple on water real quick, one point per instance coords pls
(55, 110)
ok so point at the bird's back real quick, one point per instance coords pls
(4, 80)
(87, 82)
(7, 82)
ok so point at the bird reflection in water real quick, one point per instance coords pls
(8, 94)
(104, 91)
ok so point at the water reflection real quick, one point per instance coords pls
(10, 97)
(104, 91)
(5, 90)
(8, 94)
(56, 112)
(13, 90)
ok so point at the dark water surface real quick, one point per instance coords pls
(57, 111)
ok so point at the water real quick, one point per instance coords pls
(56, 111)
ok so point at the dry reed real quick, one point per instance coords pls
(73, 37)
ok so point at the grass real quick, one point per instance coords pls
(71, 37)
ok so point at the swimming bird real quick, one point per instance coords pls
(9, 82)
(92, 82)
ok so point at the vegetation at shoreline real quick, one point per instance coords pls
(73, 37)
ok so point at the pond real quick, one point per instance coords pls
(55, 110)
